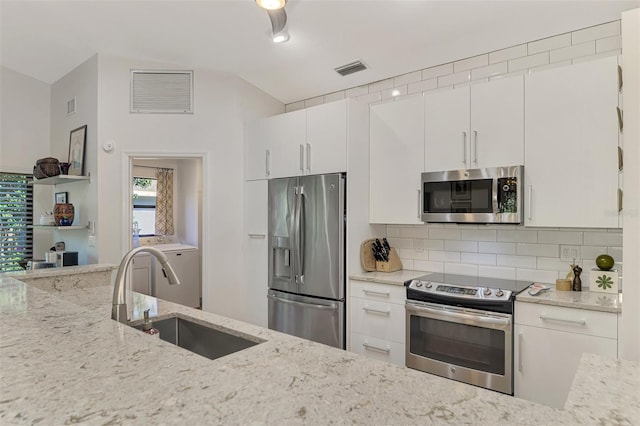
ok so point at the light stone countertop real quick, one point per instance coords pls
(393, 278)
(590, 300)
(55, 272)
(63, 360)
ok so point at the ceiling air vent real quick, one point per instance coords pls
(351, 68)
(161, 92)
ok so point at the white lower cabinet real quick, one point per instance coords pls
(549, 341)
(141, 274)
(378, 321)
(256, 252)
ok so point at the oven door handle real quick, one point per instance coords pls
(458, 314)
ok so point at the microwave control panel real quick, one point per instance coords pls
(508, 195)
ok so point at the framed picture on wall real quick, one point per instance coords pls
(77, 143)
(62, 198)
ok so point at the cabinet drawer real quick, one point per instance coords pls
(378, 319)
(380, 292)
(373, 347)
(592, 323)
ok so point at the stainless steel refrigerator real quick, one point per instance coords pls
(307, 225)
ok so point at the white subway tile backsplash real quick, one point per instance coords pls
(414, 232)
(529, 62)
(371, 97)
(560, 237)
(608, 239)
(549, 250)
(528, 262)
(335, 96)
(433, 244)
(421, 265)
(381, 85)
(462, 246)
(550, 66)
(497, 248)
(497, 272)
(478, 259)
(533, 275)
(400, 243)
(591, 252)
(450, 80)
(411, 77)
(354, 92)
(460, 269)
(553, 263)
(319, 100)
(473, 62)
(549, 43)
(489, 71)
(407, 253)
(437, 71)
(595, 32)
(479, 234)
(294, 106)
(508, 53)
(601, 55)
(409, 264)
(609, 43)
(393, 231)
(518, 236)
(422, 86)
(615, 252)
(394, 92)
(575, 51)
(444, 256)
(444, 234)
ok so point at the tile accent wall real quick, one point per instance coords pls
(503, 251)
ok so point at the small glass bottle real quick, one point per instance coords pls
(147, 327)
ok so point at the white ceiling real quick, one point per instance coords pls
(47, 39)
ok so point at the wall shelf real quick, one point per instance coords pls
(55, 180)
(59, 228)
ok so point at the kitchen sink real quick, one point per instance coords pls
(209, 342)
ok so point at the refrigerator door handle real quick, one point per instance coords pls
(306, 305)
(299, 235)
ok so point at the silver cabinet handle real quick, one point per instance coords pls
(620, 121)
(475, 145)
(619, 200)
(620, 159)
(376, 348)
(544, 317)
(301, 158)
(260, 236)
(376, 311)
(529, 198)
(267, 165)
(308, 156)
(464, 147)
(376, 293)
(619, 79)
(419, 202)
(520, 352)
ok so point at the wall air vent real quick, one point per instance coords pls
(350, 68)
(161, 92)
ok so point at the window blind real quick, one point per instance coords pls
(16, 218)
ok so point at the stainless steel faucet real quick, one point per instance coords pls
(119, 309)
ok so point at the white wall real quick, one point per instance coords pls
(82, 84)
(215, 131)
(188, 201)
(25, 122)
(630, 326)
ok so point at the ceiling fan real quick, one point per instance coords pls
(278, 17)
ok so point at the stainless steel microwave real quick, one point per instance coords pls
(489, 195)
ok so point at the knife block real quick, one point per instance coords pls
(394, 263)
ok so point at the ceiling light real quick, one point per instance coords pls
(271, 4)
(280, 37)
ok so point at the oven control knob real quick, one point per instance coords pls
(487, 292)
(429, 285)
(499, 293)
(418, 283)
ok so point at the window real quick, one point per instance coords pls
(16, 218)
(144, 205)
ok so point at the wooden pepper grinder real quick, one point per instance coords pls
(577, 282)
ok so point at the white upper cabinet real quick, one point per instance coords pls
(480, 125)
(396, 160)
(303, 142)
(571, 146)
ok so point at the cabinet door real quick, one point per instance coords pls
(447, 130)
(141, 274)
(546, 361)
(256, 254)
(256, 150)
(571, 140)
(326, 146)
(396, 161)
(497, 123)
(285, 134)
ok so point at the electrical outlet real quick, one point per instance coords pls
(569, 253)
(92, 240)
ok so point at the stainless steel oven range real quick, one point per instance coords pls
(461, 327)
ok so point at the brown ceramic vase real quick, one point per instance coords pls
(63, 214)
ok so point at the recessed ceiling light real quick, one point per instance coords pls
(271, 4)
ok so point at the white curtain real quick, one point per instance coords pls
(164, 202)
